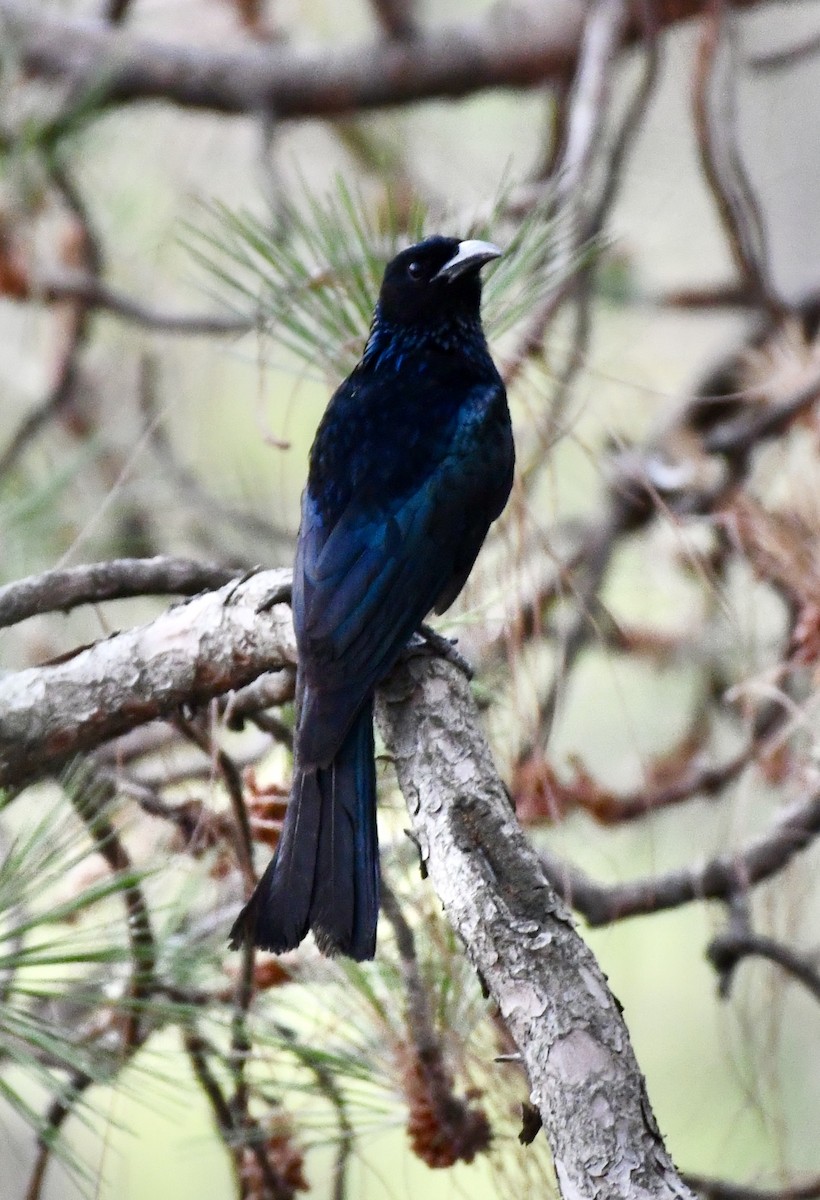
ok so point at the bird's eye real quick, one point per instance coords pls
(414, 270)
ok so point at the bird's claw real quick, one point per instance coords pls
(236, 584)
(277, 595)
(429, 641)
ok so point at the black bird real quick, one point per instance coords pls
(412, 462)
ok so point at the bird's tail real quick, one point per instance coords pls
(324, 875)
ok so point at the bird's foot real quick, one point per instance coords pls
(230, 594)
(277, 595)
(429, 641)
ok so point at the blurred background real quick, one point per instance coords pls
(645, 621)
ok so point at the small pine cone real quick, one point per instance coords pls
(267, 806)
(443, 1128)
(286, 1161)
(199, 829)
(267, 973)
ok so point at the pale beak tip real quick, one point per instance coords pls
(472, 254)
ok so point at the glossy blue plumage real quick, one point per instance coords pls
(412, 462)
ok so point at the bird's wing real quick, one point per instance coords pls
(364, 588)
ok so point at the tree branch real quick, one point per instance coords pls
(718, 879)
(116, 579)
(551, 993)
(96, 294)
(195, 651)
(514, 46)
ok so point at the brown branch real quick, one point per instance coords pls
(195, 651)
(100, 296)
(91, 795)
(728, 948)
(59, 1110)
(787, 56)
(201, 734)
(240, 1139)
(718, 879)
(719, 1189)
(586, 109)
(56, 400)
(673, 778)
(719, 295)
(73, 331)
(444, 1128)
(398, 18)
(721, 163)
(512, 47)
(117, 579)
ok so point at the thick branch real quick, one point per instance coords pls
(195, 651)
(551, 992)
(513, 46)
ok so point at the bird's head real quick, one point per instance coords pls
(435, 281)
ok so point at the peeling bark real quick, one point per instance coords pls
(193, 652)
(520, 937)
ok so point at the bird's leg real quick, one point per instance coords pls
(429, 641)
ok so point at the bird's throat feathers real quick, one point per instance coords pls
(393, 347)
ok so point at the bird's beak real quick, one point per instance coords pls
(470, 256)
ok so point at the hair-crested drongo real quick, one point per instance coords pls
(411, 464)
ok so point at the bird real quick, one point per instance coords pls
(411, 464)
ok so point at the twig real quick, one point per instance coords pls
(55, 401)
(250, 523)
(604, 31)
(236, 1138)
(630, 123)
(58, 1111)
(329, 1086)
(116, 579)
(727, 949)
(719, 1189)
(673, 778)
(725, 295)
(202, 737)
(788, 56)
(76, 330)
(722, 165)
(460, 1130)
(719, 878)
(418, 1011)
(101, 297)
(91, 794)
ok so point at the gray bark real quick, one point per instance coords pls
(520, 937)
(203, 648)
(518, 934)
